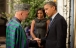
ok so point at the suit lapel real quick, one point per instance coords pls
(52, 22)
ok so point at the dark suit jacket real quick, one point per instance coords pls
(56, 36)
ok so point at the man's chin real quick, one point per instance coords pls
(23, 19)
(49, 16)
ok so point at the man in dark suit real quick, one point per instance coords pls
(57, 30)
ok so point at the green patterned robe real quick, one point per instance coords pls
(15, 35)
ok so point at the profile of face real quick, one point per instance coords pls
(25, 14)
(49, 10)
(40, 14)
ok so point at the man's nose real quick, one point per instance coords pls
(45, 11)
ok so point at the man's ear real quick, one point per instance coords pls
(53, 7)
(21, 13)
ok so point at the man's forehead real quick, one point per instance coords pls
(47, 6)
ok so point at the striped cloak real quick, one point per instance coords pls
(15, 35)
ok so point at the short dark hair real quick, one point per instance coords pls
(51, 3)
(42, 9)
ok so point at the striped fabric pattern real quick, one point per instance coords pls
(15, 35)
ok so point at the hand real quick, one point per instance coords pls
(38, 41)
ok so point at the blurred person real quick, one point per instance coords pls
(39, 25)
(15, 35)
(27, 31)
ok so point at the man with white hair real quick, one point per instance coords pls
(15, 35)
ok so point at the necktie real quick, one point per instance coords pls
(50, 21)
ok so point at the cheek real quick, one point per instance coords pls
(26, 14)
(40, 14)
(50, 12)
(47, 12)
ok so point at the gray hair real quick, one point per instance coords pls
(51, 3)
(21, 7)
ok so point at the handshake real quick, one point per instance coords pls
(38, 42)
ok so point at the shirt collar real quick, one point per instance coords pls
(54, 15)
(17, 19)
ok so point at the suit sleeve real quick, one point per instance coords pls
(61, 33)
(32, 43)
(43, 41)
